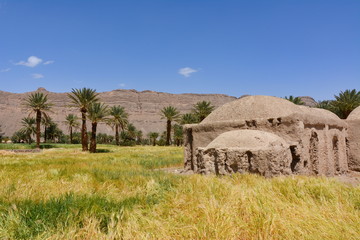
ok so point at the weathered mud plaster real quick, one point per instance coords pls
(353, 140)
(314, 141)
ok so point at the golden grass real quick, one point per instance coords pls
(120, 194)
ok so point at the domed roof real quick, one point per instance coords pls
(251, 107)
(355, 114)
(319, 113)
(249, 139)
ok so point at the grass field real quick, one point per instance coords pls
(63, 193)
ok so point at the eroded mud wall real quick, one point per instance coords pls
(354, 144)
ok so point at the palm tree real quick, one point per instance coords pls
(28, 128)
(295, 100)
(82, 99)
(178, 134)
(169, 113)
(188, 118)
(71, 122)
(202, 109)
(1, 134)
(153, 136)
(346, 102)
(46, 122)
(119, 120)
(96, 113)
(138, 135)
(38, 103)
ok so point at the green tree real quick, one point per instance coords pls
(153, 136)
(169, 113)
(178, 134)
(97, 112)
(119, 120)
(345, 103)
(53, 132)
(1, 134)
(71, 121)
(295, 100)
(189, 118)
(325, 104)
(202, 110)
(139, 136)
(28, 128)
(38, 103)
(46, 121)
(20, 136)
(82, 99)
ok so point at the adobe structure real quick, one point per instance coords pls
(272, 136)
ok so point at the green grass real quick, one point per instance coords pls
(119, 193)
(9, 146)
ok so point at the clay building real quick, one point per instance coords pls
(353, 122)
(270, 136)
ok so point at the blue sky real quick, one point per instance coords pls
(276, 48)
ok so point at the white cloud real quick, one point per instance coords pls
(31, 62)
(37, 75)
(121, 84)
(186, 71)
(49, 62)
(5, 70)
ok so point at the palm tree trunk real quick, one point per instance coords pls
(84, 137)
(38, 130)
(71, 135)
(154, 141)
(168, 132)
(45, 137)
(117, 134)
(93, 137)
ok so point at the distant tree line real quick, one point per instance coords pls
(342, 105)
(40, 124)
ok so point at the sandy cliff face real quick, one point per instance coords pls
(143, 107)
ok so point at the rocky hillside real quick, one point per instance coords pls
(143, 107)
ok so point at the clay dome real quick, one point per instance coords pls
(355, 114)
(247, 139)
(251, 107)
(320, 114)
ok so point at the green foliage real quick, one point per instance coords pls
(153, 136)
(72, 121)
(189, 118)
(103, 138)
(83, 98)
(28, 129)
(295, 100)
(129, 136)
(346, 102)
(97, 112)
(178, 135)
(37, 102)
(343, 104)
(202, 109)
(118, 117)
(19, 136)
(170, 113)
(1, 134)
